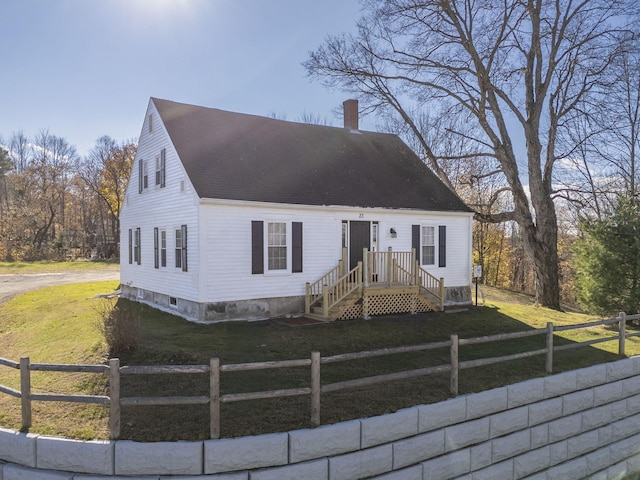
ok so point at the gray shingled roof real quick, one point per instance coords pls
(245, 157)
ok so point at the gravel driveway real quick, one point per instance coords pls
(15, 284)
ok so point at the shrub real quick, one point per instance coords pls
(119, 324)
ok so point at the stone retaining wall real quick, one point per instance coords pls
(574, 425)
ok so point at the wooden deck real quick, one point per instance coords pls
(385, 283)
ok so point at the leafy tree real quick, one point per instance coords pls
(513, 70)
(608, 260)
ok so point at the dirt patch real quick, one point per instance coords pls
(12, 285)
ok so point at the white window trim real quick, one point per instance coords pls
(145, 175)
(175, 231)
(288, 241)
(435, 246)
(160, 232)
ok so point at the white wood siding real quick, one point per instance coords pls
(219, 235)
(226, 235)
(165, 208)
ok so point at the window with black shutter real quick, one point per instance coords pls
(296, 247)
(130, 246)
(184, 248)
(156, 249)
(415, 241)
(257, 247)
(442, 246)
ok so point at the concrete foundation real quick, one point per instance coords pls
(248, 310)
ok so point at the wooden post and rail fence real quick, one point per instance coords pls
(114, 370)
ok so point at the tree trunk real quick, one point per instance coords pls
(541, 244)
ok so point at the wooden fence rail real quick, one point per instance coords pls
(315, 389)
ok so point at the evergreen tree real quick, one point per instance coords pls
(608, 261)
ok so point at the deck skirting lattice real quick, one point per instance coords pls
(387, 301)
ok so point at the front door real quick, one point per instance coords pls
(359, 239)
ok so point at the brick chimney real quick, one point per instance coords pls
(350, 108)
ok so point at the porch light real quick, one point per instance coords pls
(393, 232)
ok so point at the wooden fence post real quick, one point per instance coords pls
(549, 362)
(307, 298)
(214, 397)
(315, 388)
(441, 290)
(622, 332)
(25, 392)
(455, 369)
(114, 398)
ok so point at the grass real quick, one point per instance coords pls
(56, 267)
(58, 325)
(55, 325)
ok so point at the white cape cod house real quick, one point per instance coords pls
(231, 216)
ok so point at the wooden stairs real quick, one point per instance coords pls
(384, 283)
(335, 311)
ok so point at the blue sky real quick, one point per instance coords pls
(86, 68)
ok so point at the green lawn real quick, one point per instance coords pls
(59, 325)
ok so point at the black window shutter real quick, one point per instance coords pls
(156, 252)
(163, 167)
(442, 246)
(296, 240)
(140, 174)
(415, 240)
(185, 254)
(257, 246)
(130, 246)
(139, 236)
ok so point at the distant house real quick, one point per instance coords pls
(235, 216)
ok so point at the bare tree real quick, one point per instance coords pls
(105, 172)
(312, 118)
(20, 150)
(45, 184)
(517, 68)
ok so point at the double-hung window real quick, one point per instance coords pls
(159, 248)
(428, 245)
(277, 245)
(161, 167)
(163, 248)
(181, 248)
(425, 239)
(137, 249)
(143, 175)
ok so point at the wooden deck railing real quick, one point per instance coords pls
(384, 267)
(315, 389)
(378, 269)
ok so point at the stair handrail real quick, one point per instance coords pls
(313, 291)
(405, 277)
(430, 283)
(344, 286)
